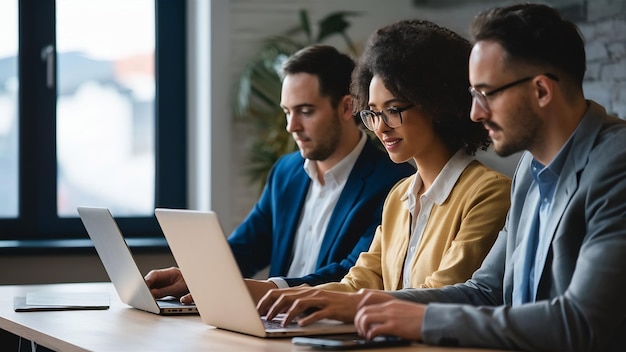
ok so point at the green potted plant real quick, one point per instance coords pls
(257, 99)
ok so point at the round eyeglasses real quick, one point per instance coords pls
(391, 116)
(481, 96)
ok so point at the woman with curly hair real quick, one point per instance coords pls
(411, 89)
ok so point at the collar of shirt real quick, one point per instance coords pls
(339, 173)
(444, 182)
(546, 177)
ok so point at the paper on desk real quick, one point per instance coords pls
(75, 299)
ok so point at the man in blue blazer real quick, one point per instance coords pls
(555, 278)
(267, 235)
(320, 206)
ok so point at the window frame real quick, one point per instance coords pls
(38, 227)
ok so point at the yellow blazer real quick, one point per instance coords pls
(457, 237)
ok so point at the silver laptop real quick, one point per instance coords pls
(205, 259)
(121, 267)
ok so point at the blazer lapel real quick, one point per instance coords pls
(576, 161)
(519, 257)
(290, 209)
(355, 186)
(562, 196)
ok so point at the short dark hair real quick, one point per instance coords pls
(424, 64)
(332, 68)
(534, 34)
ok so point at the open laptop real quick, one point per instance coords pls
(205, 259)
(121, 267)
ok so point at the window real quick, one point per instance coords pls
(8, 110)
(92, 112)
(105, 108)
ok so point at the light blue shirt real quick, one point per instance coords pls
(537, 243)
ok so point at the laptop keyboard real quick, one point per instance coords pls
(277, 324)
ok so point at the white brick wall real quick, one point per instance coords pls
(605, 44)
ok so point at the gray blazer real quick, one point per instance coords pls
(581, 303)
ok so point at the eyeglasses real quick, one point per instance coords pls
(481, 96)
(391, 116)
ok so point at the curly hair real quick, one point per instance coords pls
(427, 65)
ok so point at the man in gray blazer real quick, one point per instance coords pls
(556, 277)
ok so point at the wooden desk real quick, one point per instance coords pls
(122, 328)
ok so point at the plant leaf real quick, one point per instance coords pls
(306, 24)
(335, 23)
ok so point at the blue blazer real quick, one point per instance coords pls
(266, 236)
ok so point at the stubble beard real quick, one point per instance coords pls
(328, 144)
(527, 126)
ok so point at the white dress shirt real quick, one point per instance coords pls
(318, 207)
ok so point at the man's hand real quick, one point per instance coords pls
(258, 288)
(309, 304)
(168, 282)
(379, 314)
